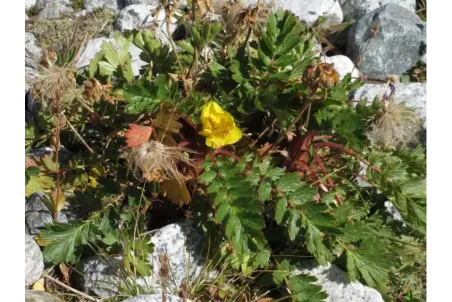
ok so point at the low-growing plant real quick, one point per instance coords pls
(61, 35)
(257, 142)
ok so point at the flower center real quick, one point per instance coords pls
(219, 128)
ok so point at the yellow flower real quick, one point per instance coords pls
(218, 126)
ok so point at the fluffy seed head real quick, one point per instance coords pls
(395, 125)
(158, 162)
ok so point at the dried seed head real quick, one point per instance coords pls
(395, 125)
(93, 90)
(328, 76)
(320, 75)
(158, 162)
(394, 78)
(54, 82)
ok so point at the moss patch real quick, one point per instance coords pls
(61, 35)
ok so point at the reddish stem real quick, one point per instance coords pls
(346, 151)
(323, 168)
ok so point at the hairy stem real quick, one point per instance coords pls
(281, 136)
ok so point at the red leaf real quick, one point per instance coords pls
(136, 135)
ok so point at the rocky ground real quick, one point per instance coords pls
(398, 46)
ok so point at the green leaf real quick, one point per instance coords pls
(293, 224)
(93, 64)
(356, 231)
(38, 183)
(371, 262)
(265, 190)
(110, 54)
(32, 171)
(64, 240)
(237, 207)
(317, 221)
(417, 216)
(414, 188)
(349, 212)
(284, 269)
(262, 258)
(304, 289)
(107, 69)
(315, 244)
(263, 58)
(274, 173)
(272, 31)
(285, 60)
(289, 43)
(208, 176)
(142, 97)
(162, 83)
(303, 195)
(127, 70)
(289, 182)
(223, 212)
(281, 208)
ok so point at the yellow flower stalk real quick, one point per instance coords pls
(218, 126)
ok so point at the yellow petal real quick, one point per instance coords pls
(205, 132)
(211, 108)
(233, 136)
(39, 285)
(215, 108)
(214, 142)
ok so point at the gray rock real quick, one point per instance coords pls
(33, 55)
(343, 65)
(32, 105)
(29, 117)
(37, 214)
(34, 264)
(54, 12)
(26, 17)
(87, 53)
(183, 245)
(356, 9)
(114, 5)
(363, 172)
(93, 46)
(148, 2)
(413, 94)
(102, 278)
(39, 296)
(26, 88)
(392, 210)
(336, 284)
(141, 16)
(424, 59)
(41, 151)
(137, 15)
(80, 13)
(155, 298)
(180, 242)
(41, 4)
(408, 4)
(398, 44)
(309, 11)
(29, 3)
